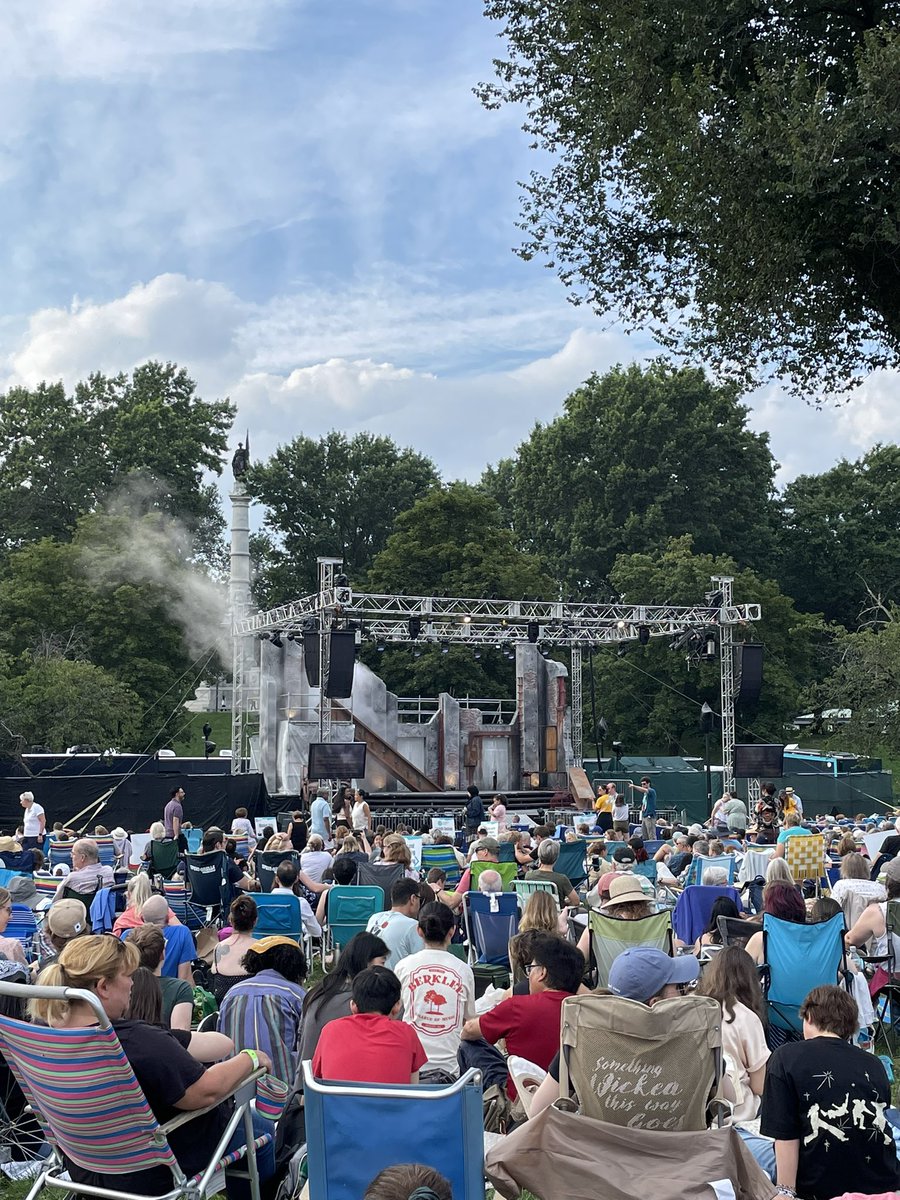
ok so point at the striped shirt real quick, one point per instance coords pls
(264, 1012)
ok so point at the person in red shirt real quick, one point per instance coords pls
(372, 1045)
(529, 1024)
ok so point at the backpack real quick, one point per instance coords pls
(204, 1004)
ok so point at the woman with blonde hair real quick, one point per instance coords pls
(138, 891)
(10, 948)
(396, 851)
(540, 912)
(171, 1080)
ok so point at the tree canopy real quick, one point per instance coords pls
(334, 496)
(638, 456)
(725, 176)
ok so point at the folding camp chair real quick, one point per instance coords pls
(163, 857)
(667, 1060)
(508, 871)
(440, 1127)
(610, 936)
(241, 845)
(507, 852)
(805, 857)
(23, 927)
(267, 863)
(23, 1146)
(381, 875)
(176, 894)
(45, 885)
(277, 914)
(527, 887)
(106, 849)
(209, 892)
(694, 907)
(571, 861)
(194, 839)
(349, 910)
(61, 854)
(648, 870)
(443, 857)
(97, 1116)
(736, 932)
(699, 864)
(19, 862)
(798, 958)
(490, 920)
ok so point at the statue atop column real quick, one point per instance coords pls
(240, 461)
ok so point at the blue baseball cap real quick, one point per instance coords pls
(643, 971)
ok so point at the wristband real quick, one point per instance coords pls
(786, 1191)
(253, 1056)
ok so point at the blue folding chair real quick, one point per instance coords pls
(571, 862)
(61, 854)
(507, 852)
(194, 838)
(267, 863)
(797, 959)
(440, 1127)
(491, 920)
(277, 915)
(694, 907)
(22, 926)
(6, 876)
(349, 910)
(106, 849)
(443, 857)
(699, 864)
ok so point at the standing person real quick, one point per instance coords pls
(824, 1102)
(298, 831)
(474, 810)
(498, 813)
(320, 817)
(766, 833)
(173, 816)
(35, 823)
(792, 802)
(438, 993)
(648, 809)
(603, 807)
(242, 826)
(360, 814)
(735, 814)
(619, 809)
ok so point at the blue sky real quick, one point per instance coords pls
(303, 203)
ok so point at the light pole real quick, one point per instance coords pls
(707, 717)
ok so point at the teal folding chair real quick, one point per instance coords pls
(349, 910)
(571, 861)
(524, 888)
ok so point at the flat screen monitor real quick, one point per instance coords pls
(337, 760)
(759, 761)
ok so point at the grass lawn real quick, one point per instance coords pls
(189, 740)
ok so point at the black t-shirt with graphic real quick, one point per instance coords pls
(832, 1097)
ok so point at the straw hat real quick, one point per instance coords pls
(625, 889)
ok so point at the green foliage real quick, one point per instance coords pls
(866, 680)
(638, 456)
(335, 496)
(452, 542)
(146, 438)
(840, 539)
(58, 702)
(722, 175)
(651, 698)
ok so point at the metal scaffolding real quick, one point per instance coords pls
(454, 620)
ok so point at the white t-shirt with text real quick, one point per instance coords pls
(438, 996)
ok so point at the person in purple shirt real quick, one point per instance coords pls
(174, 813)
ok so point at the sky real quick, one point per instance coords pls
(303, 203)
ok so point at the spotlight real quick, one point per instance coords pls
(415, 627)
(417, 653)
(263, 637)
(709, 647)
(380, 646)
(643, 635)
(467, 620)
(445, 647)
(341, 581)
(621, 626)
(478, 653)
(534, 631)
(276, 640)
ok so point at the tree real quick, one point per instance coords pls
(866, 680)
(335, 496)
(58, 702)
(651, 697)
(840, 538)
(144, 441)
(638, 456)
(452, 542)
(725, 176)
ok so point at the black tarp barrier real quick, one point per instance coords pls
(65, 784)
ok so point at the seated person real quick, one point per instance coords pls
(10, 947)
(490, 883)
(176, 995)
(315, 859)
(138, 891)
(214, 839)
(330, 997)
(180, 948)
(398, 928)
(228, 956)
(285, 884)
(529, 1024)
(87, 874)
(344, 874)
(242, 826)
(548, 853)
(437, 880)
(486, 849)
(824, 1094)
(171, 1080)
(371, 1045)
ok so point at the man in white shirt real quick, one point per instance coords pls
(285, 878)
(398, 928)
(34, 824)
(320, 817)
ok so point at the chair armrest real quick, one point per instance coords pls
(242, 1092)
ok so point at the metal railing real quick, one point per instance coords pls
(420, 709)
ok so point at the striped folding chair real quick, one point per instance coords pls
(61, 854)
(107, 850)
(527, 887)
(176, 895)
(46, 886)
(241, 844)
(23, 927)
(97, 1116)
(443, 857)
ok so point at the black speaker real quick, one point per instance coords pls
(311, 658)
(750, 666)
(341, 658)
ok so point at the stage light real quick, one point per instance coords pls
(341, 581)
(380, 646)
(445, 647)
(643, 634)
(415, 627)
(709, 648)
(621, 626)
(478, 654)
(467, 620)
(534, 631)
(263, 637)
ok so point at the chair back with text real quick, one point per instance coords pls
(610, 936)
(666, 1059)
(506, 870)
(491, 920)
(694, 907)
(438, 1126)
(277, 914)
(207, 880)
(443, 857)
(267, 863)
(349, 910)
(18, 862)
(571, 861)
(797, 959)
(805, 856)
